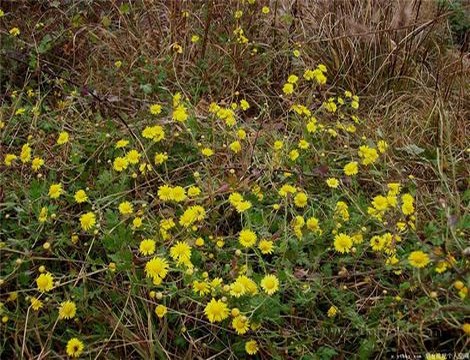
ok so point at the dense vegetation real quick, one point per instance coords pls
(234, 179)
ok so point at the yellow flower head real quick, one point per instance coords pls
(251, 347)
(36, 304)
(247, 238)
(418, 259)
(241, 324)
(155, 109)
(67, 310)
(301, 200)
(270, 284)
(45, 282)
(332, 183)
(63, 138)
(147, 247)
(74, 347)
(351, 168)
(133, 157)
(55, 190)
(120, 164)
(207, 152)
(25, 155)
(332, 311)
(37, 163)
(126, 208)
(88, 221)
(80, 196)
(181, 252)
(156, 268)
(266, 246)
(161, 310)
(216, 310)
(343, 243)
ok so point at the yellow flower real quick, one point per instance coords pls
(292, 79)
(120, 164)
(74, 347)
(126, 208)
(121, 144)
(133, 157)
(287, 189)
(180, 114)
(194, 39)
(137, 222)
(332, 183)
(178, 194)
(80, 196)
(266, 246)
(9, 158)
(147, 247)
(63, 138)
(160, 158)
(216, 310)
(382, 146)
(238, 14)
(343, 243)
(237, 289)
(278, 145)
(156, 133)
(207, 152)
(288, 88)
(155, 109)
(55, 190)
(235, 146)
(418, 259)
(88, 221)
(330, 106)
(367, 154)
(201, 287)
(247, 238)
(251, 347)
(25, 155)
(241, 324)
(181, 252)
(407, 204)
(45, 282)
(332, 311)
(270, 284)
(156, 268)
(36, 304)
(67, 310)
(161, 310)
(301, 200)
(294, 154)
(165, 193)
(313, 224)
(37, 163)
(351, 168)
(191, 215)
(244, 104)
(14, 31)
(377, 243)
(380, 203)
(43, 214)
(193, 191)
(303, 144)
(466, 328)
